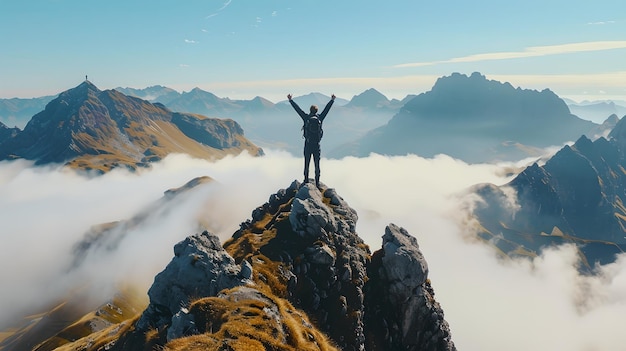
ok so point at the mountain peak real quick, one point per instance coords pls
(299, 252)
(619, 131)
(90, 129)
(369, 98)
(86, 85)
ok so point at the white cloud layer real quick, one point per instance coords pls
(490, 305)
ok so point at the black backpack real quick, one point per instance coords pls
(313, 128)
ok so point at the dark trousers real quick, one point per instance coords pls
(312, 149)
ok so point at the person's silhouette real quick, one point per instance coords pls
(312, 137)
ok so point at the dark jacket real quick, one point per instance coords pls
(305, 116)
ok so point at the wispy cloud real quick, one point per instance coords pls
(188, 41)
(225, 5)
(533, 51)
(599, 23)
(182, 65)
(274, 13)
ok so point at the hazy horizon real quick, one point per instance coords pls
(277, 97)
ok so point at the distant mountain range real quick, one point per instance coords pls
(276, 125)
(476, 120)
(16, 112)
(576, 197)
(90, 129)
(597, 111)
(467, 117)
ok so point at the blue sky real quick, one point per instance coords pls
(243, 49)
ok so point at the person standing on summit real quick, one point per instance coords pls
(312, 135)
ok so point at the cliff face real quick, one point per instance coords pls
(576, 197)
(7, 133)
(296, 276)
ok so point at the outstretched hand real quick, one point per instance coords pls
(289, 96)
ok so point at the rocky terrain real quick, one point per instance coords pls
(7, 133)
(295, 276)
(576, 197)
(90, 129)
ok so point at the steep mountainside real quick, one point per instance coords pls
(91, 129)
(7, 133)
(576, 197)
(474, 119)
(296, 276)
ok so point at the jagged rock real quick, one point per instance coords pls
(309, 215)
(183, 324)
(321, 254)
(403, 263)
(401, 311)
(328, 265)
(7, 133)
(295, 276)
(200, 268)
(576, 197)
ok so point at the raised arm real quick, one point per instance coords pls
(297, 108)
(327, 108)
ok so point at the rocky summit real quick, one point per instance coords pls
(90, 129)
(295, 276)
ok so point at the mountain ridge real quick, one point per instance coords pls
(461, 110)
(295, 276)
(576, 197)
(90, 129)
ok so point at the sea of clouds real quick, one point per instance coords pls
(490, 304)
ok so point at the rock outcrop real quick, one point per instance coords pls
(296, 276)
(200, 268)
(7, 133)
(401, 311)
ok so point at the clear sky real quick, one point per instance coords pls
(243, 49)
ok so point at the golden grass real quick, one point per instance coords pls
(5, 334)
(160, 137)
(101, 340)
(245, 325)
(67, 321)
